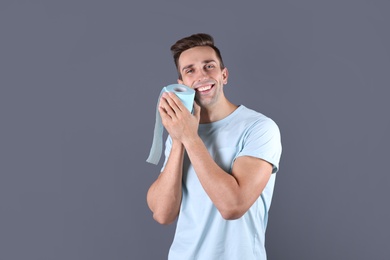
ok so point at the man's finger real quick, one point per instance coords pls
(176, 100)
(165, 108)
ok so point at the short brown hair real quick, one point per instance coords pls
(195, 40)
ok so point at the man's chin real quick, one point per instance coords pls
(202, 104)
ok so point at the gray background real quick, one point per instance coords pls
(79, 84)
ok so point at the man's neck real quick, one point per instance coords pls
(216, 112)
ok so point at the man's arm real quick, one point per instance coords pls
(232, 194)
(164, 195)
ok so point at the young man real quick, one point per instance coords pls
(220, 164)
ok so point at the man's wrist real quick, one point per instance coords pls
(176, 143)
(191, 141)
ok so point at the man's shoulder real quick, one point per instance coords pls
(252, 115)
(252, 121)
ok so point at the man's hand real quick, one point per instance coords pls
(176, 118)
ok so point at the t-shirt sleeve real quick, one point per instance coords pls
(262, 140)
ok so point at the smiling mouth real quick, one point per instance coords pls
(204, 88)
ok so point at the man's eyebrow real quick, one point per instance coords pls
(192, 65)
(187, 67)
(207, 61)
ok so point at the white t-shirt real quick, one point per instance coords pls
(201, 232)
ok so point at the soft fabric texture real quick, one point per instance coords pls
(201, 232)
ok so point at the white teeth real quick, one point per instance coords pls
(204, 88)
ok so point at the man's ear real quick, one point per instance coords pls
(225, 75)
(180, 81)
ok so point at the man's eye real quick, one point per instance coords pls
(189, 71)
(210, 66)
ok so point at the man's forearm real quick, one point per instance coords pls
(221, 187)
(232, 193)
(164, 196)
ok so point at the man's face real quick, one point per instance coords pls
(200, 69)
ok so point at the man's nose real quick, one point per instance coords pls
(202, 75)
